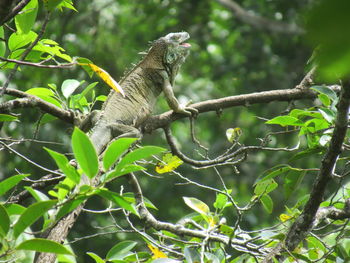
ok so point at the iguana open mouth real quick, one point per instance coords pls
(186, 45)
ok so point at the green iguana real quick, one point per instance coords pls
(122, 116)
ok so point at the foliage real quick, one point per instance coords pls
(232, 211)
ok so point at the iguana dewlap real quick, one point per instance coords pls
(122, 116)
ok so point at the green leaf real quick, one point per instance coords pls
(326, 91)
(44, 245)
(285, 121)
(327, 114)
(139, 154)
(41, 92)
(17, 41)
(130, 168)
(26, 18)
(265, 186)
(4, 221)
(83, 62)
(7, 117)
(114, 150)
(85, 153)
(267, 203)
(96, 257)
(31, 214)
(324, 99)
(2, 43)
(121, 250)
(69, 207)
(10, 182)
(87, 89)
(191, 255)
(39, 196)
(275, 171)
(14, 209)
(292, 181)
(117, 199)
(64, 165)
(221, 201)
(306, 153)
(45, 94)
(197, 205)
(69, 86)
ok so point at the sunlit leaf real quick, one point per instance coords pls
(197, 205)
(64, 165)
(169, 163)
(284, 217)
(17, 40)
(85, 153)
(69, 86)
(114, 150)
(285, 121)
(157, 253)
(97, 258)
(25, 19)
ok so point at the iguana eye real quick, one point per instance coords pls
(175, 37)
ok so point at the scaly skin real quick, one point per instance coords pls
(122, 116)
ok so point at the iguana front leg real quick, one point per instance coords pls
(171, 99)
(90, 120)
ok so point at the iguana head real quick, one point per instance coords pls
(177, 48)
(169, 53)
(175, 53)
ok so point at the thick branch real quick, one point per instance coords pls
(163, 120)
(28, 100)
(259, 21)
(306, 220)
(5, 5)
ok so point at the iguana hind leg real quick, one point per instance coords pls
(121, 131)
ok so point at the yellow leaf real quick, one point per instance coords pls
(104, 75)
(169, 163)
(233, 134)
(156, 252)
(284, 217)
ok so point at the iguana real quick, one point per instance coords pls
(122, 116)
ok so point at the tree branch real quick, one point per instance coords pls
(28, 100)
(7, 15)
(304, 223)
(258, 21)
(163, 120)
(38, 65)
